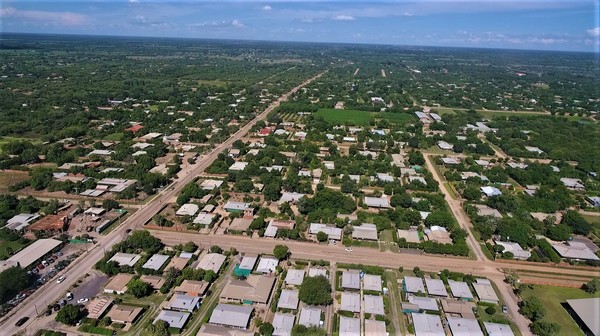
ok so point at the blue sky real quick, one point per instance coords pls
(533, 24)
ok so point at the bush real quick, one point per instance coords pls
(490, 310)
(315, 291)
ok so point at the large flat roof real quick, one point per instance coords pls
(374, 304)
(34, 252)
(485, 292)
(587, 311)
(460, 289)
(283, 324)
(212, 261)
(414, 284)
(156, 262)
(436, 287)
(175, 319)
(428, 325)
(231, 315)
(464, 327)
(288, 299)
(128, 259)
(349, 326)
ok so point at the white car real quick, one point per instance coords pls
(61, 279)
(83, 300)
(348, 249)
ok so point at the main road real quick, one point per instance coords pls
(51, 291)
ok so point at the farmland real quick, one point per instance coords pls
(362, 118)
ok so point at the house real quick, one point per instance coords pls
(236, 206)
(331, 231)
(350, 302)
(572, 183)
(238, 166)
(215, 330)
(413, 284)
(385, 177)
(234, 153)
(231, 315)
(204, 219)
(428, 325)
(438, 234)
(575, 250)
(372, 283)
(490, 191)
(192, 288)
(418, 179)
(290, 197)
(484, 210)
(188, 209)
(436, 287)
(375, 328)
(445, 146)
(212, 261)
(267, 265)
(125, 259)
(373, 304)
(211, 184)
(98, 306)
(366, 231)
(532, 149)
(21, 221)
(517, 165)
(594, 201)
(314, 271)
(450, 161)
(411, 235)
(248, 262)
(486, 293)
(377, 202)
(464, 327)
(351, 279)
(254, 289)
(310, 316)
(156, 262)
(118, 284)
(154, 281)
(288, 299)
(460, 308)
(483, 163)
(283, 324)
(101, 152)
(497, 329)
(349, 326)
(276, 224)
(124, 314)
(294, 277)
(183, 302)
(515, 249)
(424, 303)
(460, 290)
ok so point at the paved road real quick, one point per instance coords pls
(52, 291)
(457, 210)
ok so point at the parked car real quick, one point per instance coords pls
(83, 300)
(504, 309)
(348, 249)
(22, 321)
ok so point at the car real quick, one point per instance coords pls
(83, 300)
(504, 309)
(22, 321)
(61, 279)
(128, 230)
(348, 249)
(69, 296)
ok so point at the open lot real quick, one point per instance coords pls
(8, 178)
(552, 298)
(362, 118)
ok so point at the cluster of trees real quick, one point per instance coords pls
(327, 199)
(315, 291)
(11, 206)
(12, 281)
(534, 309)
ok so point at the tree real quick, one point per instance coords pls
(533, 309)
(69, 315)
(216, 249)
(300, 330)
(490, 310)
(12, 281)
(593, 286)
(579, 225)
(471, 193)
(110, 204)
(544, 328)
(266, 329)
(160, 328)
(558, 232)
(418, 272)
(322, 236)
(315, 291)
(281, 252)
(138, 288)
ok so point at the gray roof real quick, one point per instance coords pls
(464, 327)
(331, 231)
(283, 324)
(436, 287)
(288, 299)
(156, 262)
(213, 330)
(128, 259)
(587, 311)
(183, 302)
(460, 289)
(349, 326)
(485, 292)
(315, 271)
(310, 316)
(294, 277)
(212, 261)
(351, 279)
(32, 253)
(248, 262)
(350, 302)
(428, 325)
(424, 303)
(414, 284)
(365, 231)
(231, 315)
(375, 328)
(377, 202)
(374, 304)
(497, 329)
(175, 319)
(372, 282)
(575, 250)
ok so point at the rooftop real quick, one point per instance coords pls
(373, 304)
(497, 329)
(283, 324)
(32, 253)
(351, 279)
(175, 319)
(156, 262)
(414, 284)
(310, 316)
(256, 288)
(587, 311)
(212, 261)
(365, 231)
(288, 299)
(231, 315)
(372, 282)
(464, 327)
(428, 325)
(350, 302)
(349, 326)
(436, 287)
(294, 277)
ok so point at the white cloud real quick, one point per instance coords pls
(267, 8)
(594, 32)
(219, 24)
(343, 18)
(45, 17)
(237, 23)
(134, 1)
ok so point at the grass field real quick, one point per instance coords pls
(552, 297)
(14, 245)
(362, 118)
(595, 221)
(7, 139)
(9, 178)
(114, 136)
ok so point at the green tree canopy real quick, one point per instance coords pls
(315, 291)
(281, 252)
(69, 315)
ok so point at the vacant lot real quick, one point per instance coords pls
(10, 177)
(552, 298)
